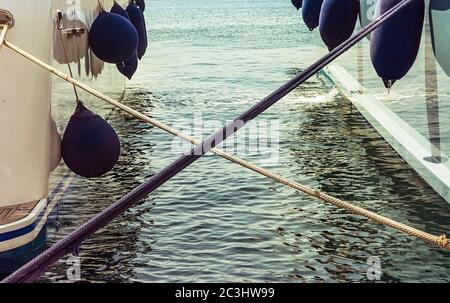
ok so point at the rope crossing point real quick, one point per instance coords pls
(38, 265)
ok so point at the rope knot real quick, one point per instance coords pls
(442, 241)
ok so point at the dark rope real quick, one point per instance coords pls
(33, 269)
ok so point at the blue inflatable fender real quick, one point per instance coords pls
(129, 67)
(137, 19)
(337, 21)
(141, 4)
(395, 44)
(117, 9)
(113, 38)
(297, 3)
(311, 13)
(90, 146)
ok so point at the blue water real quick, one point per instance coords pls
(217, 222)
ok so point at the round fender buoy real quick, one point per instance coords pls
(90, 146)
(113, 38)
(141, 4)
(395, 44)
(137, 19)
(129, 67)
(337, 21)
(297, 3)
(311, 13)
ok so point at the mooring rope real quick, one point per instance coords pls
(36, 267)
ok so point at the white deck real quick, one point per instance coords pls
(406, 141)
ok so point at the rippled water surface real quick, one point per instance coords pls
(217, 222)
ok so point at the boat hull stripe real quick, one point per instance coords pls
(24, 230)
